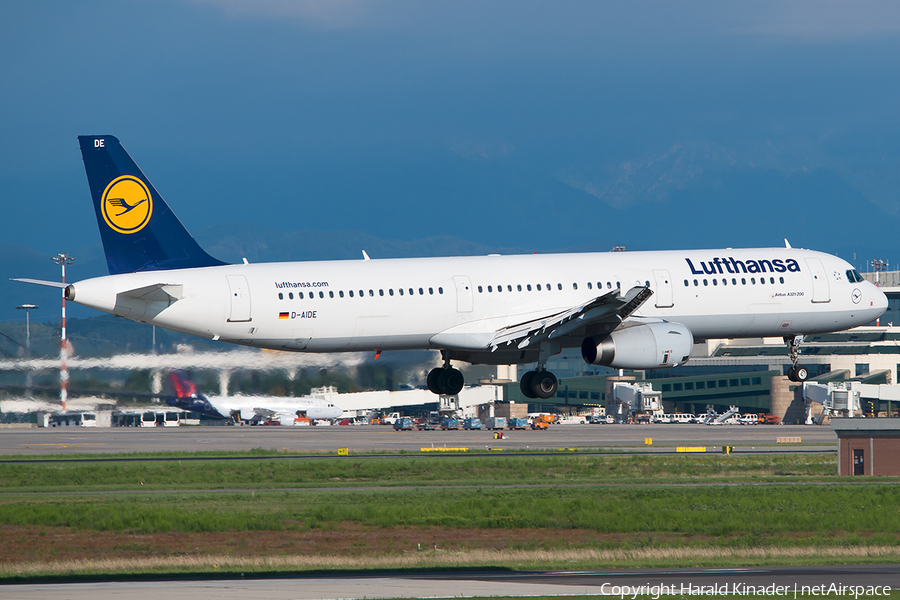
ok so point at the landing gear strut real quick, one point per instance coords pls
(796, 372)
(445, 380)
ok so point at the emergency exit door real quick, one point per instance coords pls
(240, 298)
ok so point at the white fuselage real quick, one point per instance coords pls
(459, 303)
(251, 406)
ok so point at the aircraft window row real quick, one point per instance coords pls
(734, 281)
(362, 293)
(539, 287)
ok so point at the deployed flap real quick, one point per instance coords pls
(602, 308)
(158, 292)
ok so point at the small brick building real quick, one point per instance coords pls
(868, 446)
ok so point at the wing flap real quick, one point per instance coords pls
(609, 306)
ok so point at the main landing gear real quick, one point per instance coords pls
(539, 384)
(796, 372)
(446, 380)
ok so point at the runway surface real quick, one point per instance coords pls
(73, 440)
(442, 585)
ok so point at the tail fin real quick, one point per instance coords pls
(139, 231)
(184, 388)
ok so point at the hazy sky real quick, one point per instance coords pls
(520, 124)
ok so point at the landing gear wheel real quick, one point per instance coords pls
(450, 381)
(525, 384)
(544, 384)
(433, 376)
(798, 374)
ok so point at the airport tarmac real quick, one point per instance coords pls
(665, 438)
(614, 582)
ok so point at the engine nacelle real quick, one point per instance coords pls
(650, 346)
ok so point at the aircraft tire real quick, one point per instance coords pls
(432, 381)
(525, 384)
(801, 374)
(450, 381)
(544, 384)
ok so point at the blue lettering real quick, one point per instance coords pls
(752, 267)
(779, 265)
(792, 266)
(693, 270)
(763, 264)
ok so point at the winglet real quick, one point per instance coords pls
(787, 244)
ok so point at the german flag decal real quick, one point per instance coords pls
(284, 315)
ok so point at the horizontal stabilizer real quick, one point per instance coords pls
(158, 292)
(55, 284)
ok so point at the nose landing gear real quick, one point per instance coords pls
(796, 372)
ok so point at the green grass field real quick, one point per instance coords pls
(514, 511)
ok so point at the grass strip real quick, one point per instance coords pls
(431, 470)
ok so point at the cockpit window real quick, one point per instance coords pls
(853, 276)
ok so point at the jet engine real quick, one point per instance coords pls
(647, 346)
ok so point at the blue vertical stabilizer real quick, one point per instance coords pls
(139, 231)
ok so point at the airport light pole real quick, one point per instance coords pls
(27, 308)
(63, 260)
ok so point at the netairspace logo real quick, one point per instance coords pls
(743, 589)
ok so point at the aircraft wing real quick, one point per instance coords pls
(612, 306)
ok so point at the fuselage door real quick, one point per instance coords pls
(664, 297)
(821, 291)
(240, 298)
(465, 299)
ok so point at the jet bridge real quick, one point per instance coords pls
(635, 397)
(836, 398)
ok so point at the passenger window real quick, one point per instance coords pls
(431, 291)
(609, 285)
(331, 294)
(753, 280)
(743, 281)
(421, 292)
(401, 291)
(528, 287)
(715, 282)
(371, 293)
(341, 293)
(538, 287)
(559, 286)
(412, 292)
(685, 283)
(351, 293)
(321, 294)
(381, 292)
(762, 281)
(733, 281)
(548, 287)
(490, 289)
(280, 296)
(724, 282)
(290, 295)
(508, 288)
(499, 288)
(705, 282)
(696, 283)
(391, 292)
(519, 287)
(781, 280)
(589, 285)
(440, 290)
(771, 280)
(361, 293)
(574, 286)
(479, 289)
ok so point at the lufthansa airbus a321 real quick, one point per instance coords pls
(628, 310)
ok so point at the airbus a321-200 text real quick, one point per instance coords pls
(626, 310)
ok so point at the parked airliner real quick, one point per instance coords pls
(628, 310)
(249, 408)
